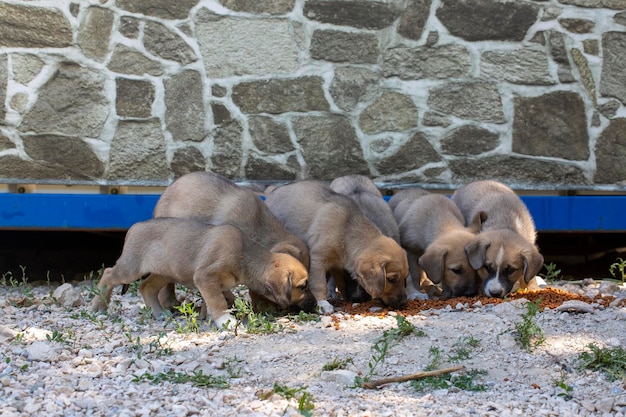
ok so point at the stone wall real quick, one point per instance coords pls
(428, 92)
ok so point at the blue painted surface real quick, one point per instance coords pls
(74, 211)
(119, 212)
(578, 213)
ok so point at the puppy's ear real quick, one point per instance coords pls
(533, 262)
(475, 251)
(279, 288)
(432, 262)
(477, 222)
(293, 250)
(372, 276)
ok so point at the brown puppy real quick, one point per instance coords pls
(416, 284)
(403, 199)
(366, 195)
(215, 199)
(212, 259)
(369, 199)
(504, 253)
(341, 237)
(434, 235)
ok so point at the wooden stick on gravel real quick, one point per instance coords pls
(376, 383)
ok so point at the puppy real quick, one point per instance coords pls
(504, 253)
(341, 237)
(434, 235)
(215, 199)
(212, 259)
(366, 195)
(404, 198)
(369, 199)
(399, 203)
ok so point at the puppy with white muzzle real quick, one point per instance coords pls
(504, 254)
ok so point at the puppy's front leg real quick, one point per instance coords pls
(213, 297)
(318, 286)
(413, 293)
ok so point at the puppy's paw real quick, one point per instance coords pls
(225, 322)
(98, 305)
(325, 307)
(417, 295)
(333, 295)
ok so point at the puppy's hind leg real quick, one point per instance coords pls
(167, 296)
(149, 289)
(110, 278)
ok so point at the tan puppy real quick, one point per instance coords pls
(215, 199)
(369, 199)
(504, 254)
(416, 284)
(212, 259)
(404, 198)
(366, 195)
(434, 235)
(341, 237)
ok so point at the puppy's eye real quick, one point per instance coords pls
(457, 271)
(489, 268)
(392, 278)
(509, 270)
(303, 287)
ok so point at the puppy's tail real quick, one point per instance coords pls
(125, 287)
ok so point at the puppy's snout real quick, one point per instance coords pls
(398, 301)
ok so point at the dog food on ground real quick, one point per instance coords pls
(547, 298)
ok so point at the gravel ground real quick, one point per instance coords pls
(59, 358)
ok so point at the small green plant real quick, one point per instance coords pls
(156, 346)
(56, 336)
(303, 317)
(390, 338)
(436, 358)
(27, 296)
(551, 273)
(565, 390)
(89, 315)
(135, 344)
(253, 322)
(465, 382)
(337, 364)
(190, 318)
(196, 378)
(305, 402)
(619, 266)
(527, 332)
(233, 367)
(610, 361)
(463, 348)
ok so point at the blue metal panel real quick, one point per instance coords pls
(578, 213)
(119, 212)
(74, 211)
